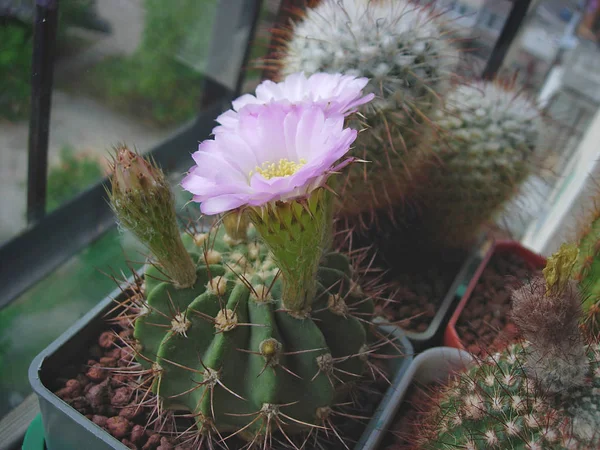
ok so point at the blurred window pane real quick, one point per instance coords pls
(557, 61)
(15, 74)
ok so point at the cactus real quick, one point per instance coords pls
(409, 61)
(587, 269)
(231, 344)
(487, 137)
(228, 350)
(542, 393)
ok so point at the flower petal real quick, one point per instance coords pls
(222, 203)
(294, 125)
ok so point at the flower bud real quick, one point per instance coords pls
(132, 172)
(142, 201)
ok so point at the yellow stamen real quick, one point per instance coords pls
(283, 168)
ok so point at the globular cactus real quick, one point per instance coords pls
(228, 348)
(542, 393)
(398, 45)
(229, 351)
(587, 269)
(486, 140)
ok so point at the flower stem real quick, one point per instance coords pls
(296, 232)
(174, 258)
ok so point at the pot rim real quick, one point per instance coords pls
(534, 260)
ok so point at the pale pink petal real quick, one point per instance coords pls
(225, 175)
(222, 203)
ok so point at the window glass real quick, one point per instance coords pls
(121, 79)
(35, 319)
(476, 24)
(556, 57)
(125, 71)
(261, 44)
(15, 75)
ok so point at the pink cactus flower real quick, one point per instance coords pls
(333, 93)
(271, 152)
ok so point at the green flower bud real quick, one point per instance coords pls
(143, 203)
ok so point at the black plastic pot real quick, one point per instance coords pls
(67, 429)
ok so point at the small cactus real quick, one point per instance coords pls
(542, 393)
(486, 140)
(587, 269)
(398, 45)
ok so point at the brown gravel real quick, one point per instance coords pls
(108, 399)
(485, 326)
(412, 299)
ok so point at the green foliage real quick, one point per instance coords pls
(74, 174)
(168, 24)
(75, 12)
(161, 95)
(16, 48)
(15, 70)
(227, 349)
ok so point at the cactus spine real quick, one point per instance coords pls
(229, 349)
(587, 270)
(487, 136)
(409, 61)
(540, 394)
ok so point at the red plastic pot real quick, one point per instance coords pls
(533, 260)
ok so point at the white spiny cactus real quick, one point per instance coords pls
(400, 47)
(488, 118)
(486, 140)
(396, 44)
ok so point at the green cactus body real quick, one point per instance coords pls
(587, 272)
(226, 350)
(409, 61)
(495, 405)
(486, 139)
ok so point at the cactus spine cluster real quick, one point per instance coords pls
(540, 394)
(409, 61)
(229, 348)
(587, 270)
(486, 138)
